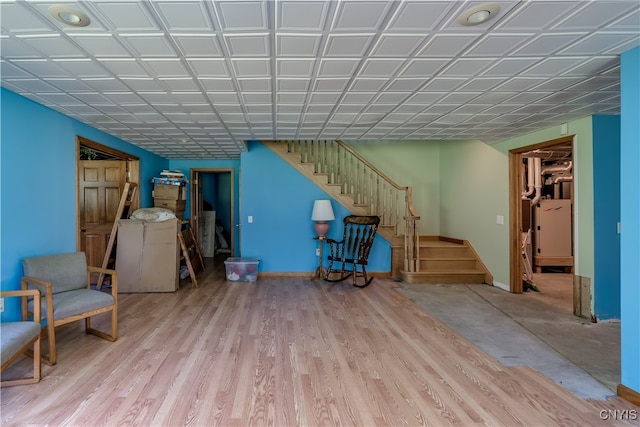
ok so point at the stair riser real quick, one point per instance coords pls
(445, 252)
(435, 278)
(447, 264)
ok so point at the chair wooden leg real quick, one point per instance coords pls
(114, 328)
(51, 337)
(37, 359)
(36, 353)
(53, 356)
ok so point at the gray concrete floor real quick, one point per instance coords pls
(535, 329)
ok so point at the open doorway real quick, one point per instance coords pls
(542, 223)
(212, 211)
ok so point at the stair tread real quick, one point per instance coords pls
(448, 258)
(457, 271)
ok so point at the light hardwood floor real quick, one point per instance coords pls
(285, 352)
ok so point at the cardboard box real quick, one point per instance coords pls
(147, 256)
(171, 192)
(242, 269)
(177, 206)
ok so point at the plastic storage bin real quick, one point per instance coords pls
(242, 269)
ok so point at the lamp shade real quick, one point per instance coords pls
(322, 211)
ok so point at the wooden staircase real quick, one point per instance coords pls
(416, 259)
(446, 260)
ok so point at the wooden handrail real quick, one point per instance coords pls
(369, 187)
(372, 167)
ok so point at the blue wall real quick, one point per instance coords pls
(38, 182)
(630, 217)
(606, 181)
(280, 199)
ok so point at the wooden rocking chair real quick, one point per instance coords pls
(350, 254)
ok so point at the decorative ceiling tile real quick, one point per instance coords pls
(337, 67)
(254, 85)
(216, 84)
(447, 45)
(295, 67)
(209, 67)
(248, 44)
(348, 45)
(149, 45)
(242, 15)
(399, 45)
(43, 68)
(19, 12)
(380, 67)
(160, 73)
(125, 16)
(492, 45)
(162, 67)
(100, 45)
(102, 84)
(302, 15)
(53, 46)
(10, 71)
(598, 43)
(419, 15)
(124, 67)
(466, 67)
(509, 66)
(251, 67)
(423, 67)
(545, 44)
(595, 14)
(331, 84)
(293, 85)
(297, 44)
(197, 45)
(183, 15)
(360, 15)
(178, 83)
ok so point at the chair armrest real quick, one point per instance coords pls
(42, 285)
(24, 293)
(109, 272)
(48, 293)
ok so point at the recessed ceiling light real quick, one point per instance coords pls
(478, 14)
(69, 16)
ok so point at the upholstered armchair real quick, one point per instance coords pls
(65, 283)
(17, 338)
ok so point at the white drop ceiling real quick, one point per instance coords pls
(197, 79)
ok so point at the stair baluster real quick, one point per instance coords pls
(372, 192)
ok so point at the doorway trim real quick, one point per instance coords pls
(132, 174)
(192, 200)
(515, 208)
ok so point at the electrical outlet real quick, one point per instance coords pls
(318, 252)
(1, 305)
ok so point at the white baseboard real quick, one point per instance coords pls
(501, 285)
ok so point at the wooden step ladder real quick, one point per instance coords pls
(123, 211)
(191, 254)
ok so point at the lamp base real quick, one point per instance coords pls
(322, 228)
